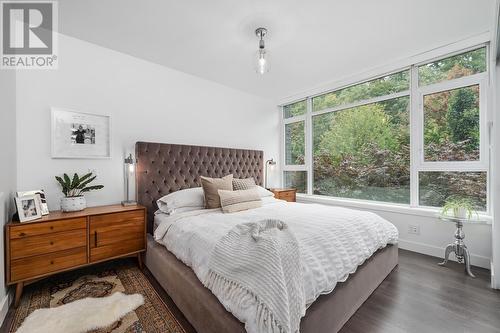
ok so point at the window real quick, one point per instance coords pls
(451, 125)
(455, 67)
(386, 85)
(295, 109)
(354, 142)
(295, 179)
(364, 152)
(435, 187)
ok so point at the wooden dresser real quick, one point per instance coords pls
(63, 241)
(288, 194)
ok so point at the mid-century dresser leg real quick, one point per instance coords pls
(19, 292)
(139, 260)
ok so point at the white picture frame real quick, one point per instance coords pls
(80, 135)
(41, 198)
(28, 207)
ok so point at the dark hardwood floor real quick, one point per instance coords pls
(418, 296)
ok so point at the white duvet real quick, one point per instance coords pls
(333, 241)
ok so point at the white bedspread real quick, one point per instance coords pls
(333, 242)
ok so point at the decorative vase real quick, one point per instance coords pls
(73, 204)
(460, 212)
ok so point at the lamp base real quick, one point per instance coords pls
(129, 203)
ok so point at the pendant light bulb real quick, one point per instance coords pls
(262, 64)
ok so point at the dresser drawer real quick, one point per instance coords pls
(117, 249)
(42, 244)
(288, 196)
(117, 218)
(33, 229)
(30, 267)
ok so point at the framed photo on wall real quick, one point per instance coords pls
(80, 135)
(28, 207)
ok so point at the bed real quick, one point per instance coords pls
(166, 168)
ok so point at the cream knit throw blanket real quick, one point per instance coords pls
(259, 263)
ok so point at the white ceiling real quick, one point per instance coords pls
(309, 42)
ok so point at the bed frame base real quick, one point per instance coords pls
(206, 314)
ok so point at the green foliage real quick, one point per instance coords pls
(295, 143)
(451, 126)
(463, 117)
(78, 185)
(352, 129)
(437, 187)
(379, 87)
(453, 67)
(295, 109)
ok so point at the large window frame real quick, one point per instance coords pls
(416, 123)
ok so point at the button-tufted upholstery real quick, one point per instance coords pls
(164, 168)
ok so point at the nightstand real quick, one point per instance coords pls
(287, 194)
(60, 242)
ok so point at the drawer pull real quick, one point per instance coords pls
(95, 238)
(51, 243)
(51, 227)
(22, 234)
(52, 262)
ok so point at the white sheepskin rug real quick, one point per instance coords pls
(82, 315)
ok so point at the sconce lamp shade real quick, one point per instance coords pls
(129, 163)
(272, 163)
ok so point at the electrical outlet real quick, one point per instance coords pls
(414, 229)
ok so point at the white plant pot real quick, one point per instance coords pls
(73, 204)
(460, 213)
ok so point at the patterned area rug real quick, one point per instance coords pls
(99, 281)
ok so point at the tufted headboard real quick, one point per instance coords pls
(164, 168)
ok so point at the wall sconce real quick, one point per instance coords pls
(272, 163)
(129, 163)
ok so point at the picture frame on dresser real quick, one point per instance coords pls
(41, 196)
(28, 207)
(80, 135)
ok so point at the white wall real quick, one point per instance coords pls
(434, 235)
(7, 168)
(146, 102)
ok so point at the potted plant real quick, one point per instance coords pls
(461, 207)
(73, 191)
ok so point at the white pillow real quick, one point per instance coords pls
(191, 197)
(263, 192)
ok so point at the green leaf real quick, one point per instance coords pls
(63, 185)
(84, 177)
(91, 188)
(85, 183)
(67, 181)
(76, 181)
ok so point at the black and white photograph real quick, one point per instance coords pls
(28, 208)
(80, 135)
(40, 196)
(83, 134)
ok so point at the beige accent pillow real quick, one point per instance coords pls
(243, 184)
(235, 201)
(212, 185)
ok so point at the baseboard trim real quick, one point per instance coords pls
(4, 305)
(436, 251)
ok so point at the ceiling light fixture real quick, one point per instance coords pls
(262, 58)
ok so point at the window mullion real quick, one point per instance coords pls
(309, 148)
(416, 133)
